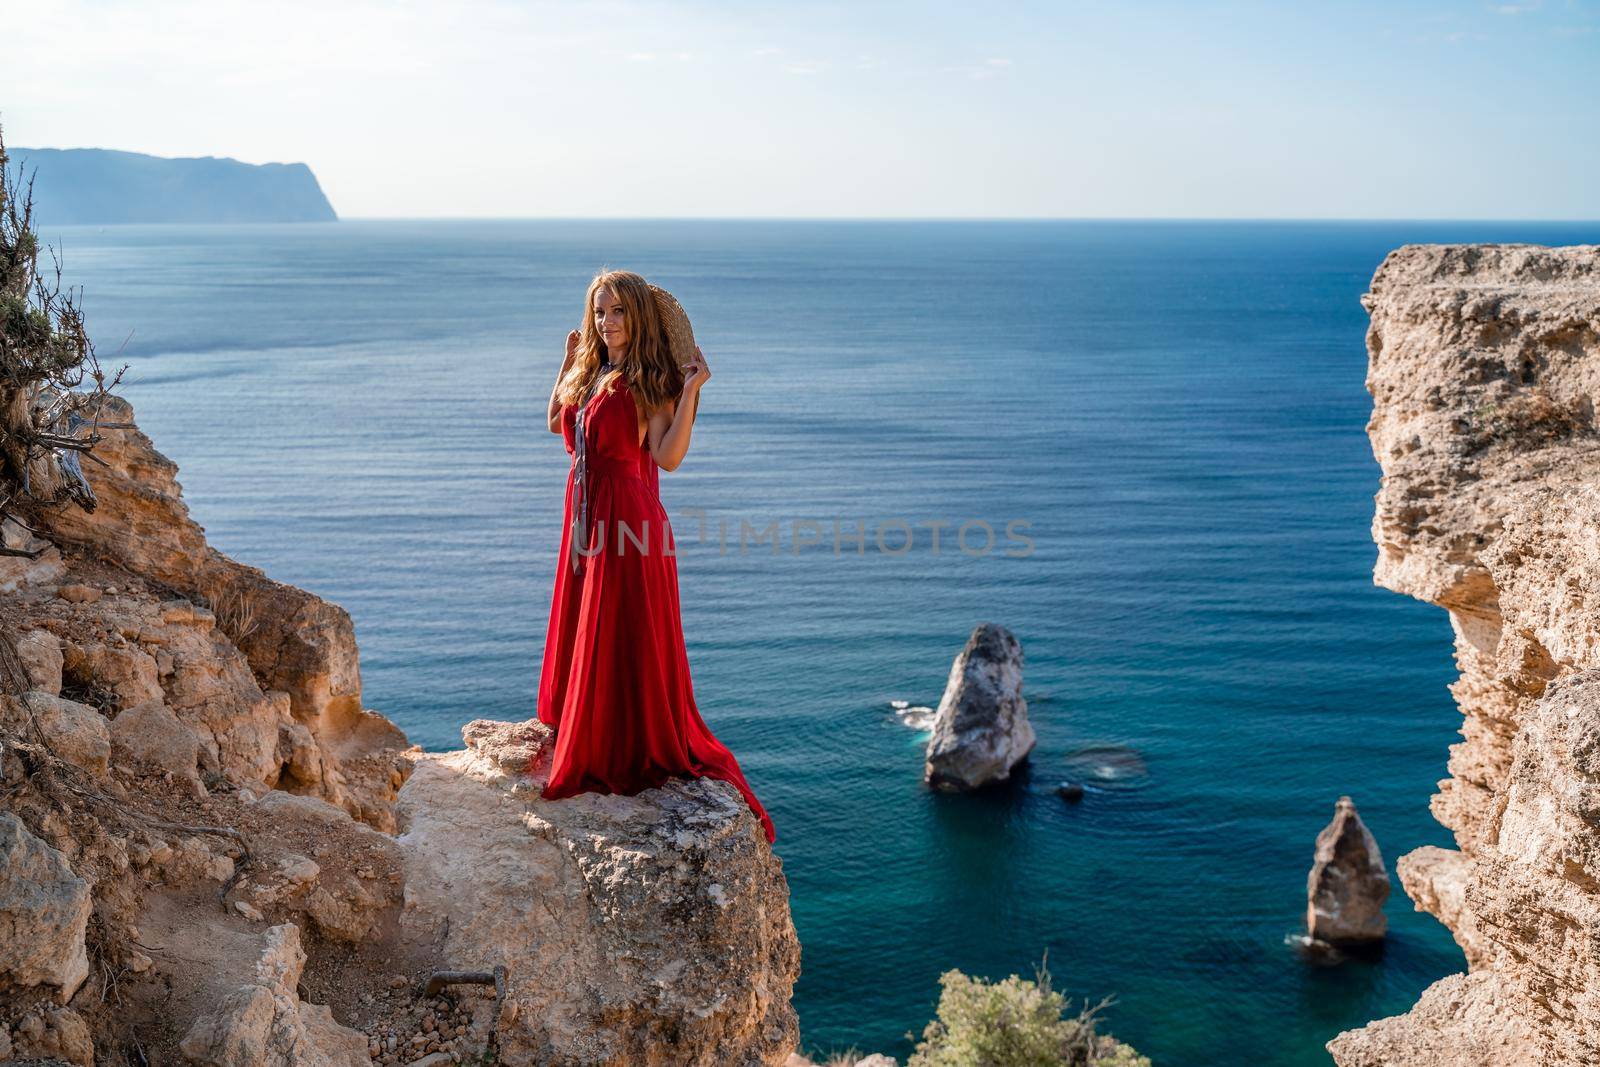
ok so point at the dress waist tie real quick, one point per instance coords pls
(585, 469)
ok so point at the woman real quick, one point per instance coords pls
(615, 680)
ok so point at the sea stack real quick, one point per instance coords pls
(981, 728)
(1348, 883)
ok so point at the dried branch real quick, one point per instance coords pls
(46, 358)
(13, 676)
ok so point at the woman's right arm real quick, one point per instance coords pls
(553, 412)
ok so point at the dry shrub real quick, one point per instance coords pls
(232, 604)
(1015, 1023)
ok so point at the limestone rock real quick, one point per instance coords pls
(509, 747)
(54, 1036)
(40, 652)
(128, 672)
(75, 732)
(636, 929)
(77, 593)
(1484, 367)
(981, 729)
(270, 637)
(1348, 882)
(1465, 1020)
(263, 1023)
(213, 689)
(151, 734)
(1535, 890)
(304, 766)
(20, 572)
(1436, 881)
(343, 908)
(44, 911)
(308, 810)
(347, 911)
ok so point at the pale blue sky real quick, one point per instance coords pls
(1355, 110)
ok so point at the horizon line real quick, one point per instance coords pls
(877, 218)
(1327, 219)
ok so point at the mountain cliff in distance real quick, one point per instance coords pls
(98, 185)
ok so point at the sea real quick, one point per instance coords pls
(1140, 445)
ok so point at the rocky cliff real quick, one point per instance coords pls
(211, 852)
(98, 186)
(1484, 368)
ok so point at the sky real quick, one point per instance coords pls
(720, 108)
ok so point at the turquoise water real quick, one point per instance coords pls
(1176, 413)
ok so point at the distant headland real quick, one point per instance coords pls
(98, 185)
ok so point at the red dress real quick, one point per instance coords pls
(615, 679)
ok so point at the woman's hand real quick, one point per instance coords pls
(553, 412)
(695, 373)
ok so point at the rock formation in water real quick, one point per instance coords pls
(99, 186)
(981, 728)
(1348, 882)
(211, 852)
(1484, 370)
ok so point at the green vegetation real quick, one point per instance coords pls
(1015, 1023)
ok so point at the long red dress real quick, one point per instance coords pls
(615, 679)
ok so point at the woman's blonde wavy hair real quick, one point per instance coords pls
(651, 372)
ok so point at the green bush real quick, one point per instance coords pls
(1015, 1023)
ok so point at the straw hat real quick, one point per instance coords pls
(675, 323)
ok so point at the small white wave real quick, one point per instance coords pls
(1313, 949)
(916, 716)
(1114, 766)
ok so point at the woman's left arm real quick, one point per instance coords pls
(668, 433)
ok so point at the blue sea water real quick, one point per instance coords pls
(1173, 414)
